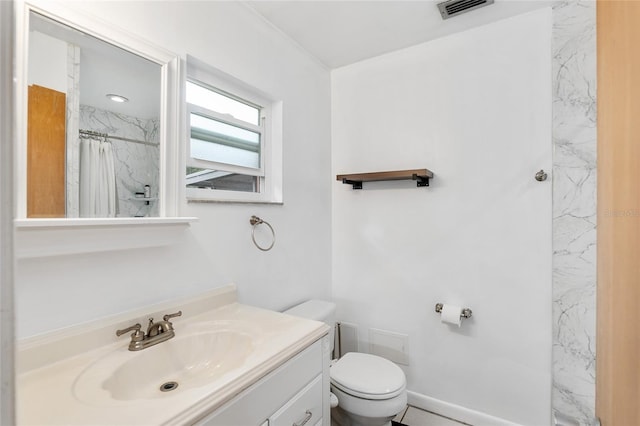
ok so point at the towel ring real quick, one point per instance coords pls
(255, 221)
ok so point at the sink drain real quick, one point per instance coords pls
(169, 386)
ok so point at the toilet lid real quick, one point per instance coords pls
(367, 376)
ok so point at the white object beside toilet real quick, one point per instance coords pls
(371, 390)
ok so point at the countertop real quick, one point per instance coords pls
(49, 366)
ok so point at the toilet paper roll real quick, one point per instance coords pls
(450, 314)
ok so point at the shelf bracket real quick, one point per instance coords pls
(420, 180)
(357, 184)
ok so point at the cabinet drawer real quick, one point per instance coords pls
(305, 408)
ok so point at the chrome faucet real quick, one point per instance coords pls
(157, 332)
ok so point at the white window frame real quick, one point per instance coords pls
(270, 172)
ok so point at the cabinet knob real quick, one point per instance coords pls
(307, 417)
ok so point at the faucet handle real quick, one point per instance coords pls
(135, 327)
(169, 316)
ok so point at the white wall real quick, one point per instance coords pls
(64, 290)
(47, 62)
(475, 108)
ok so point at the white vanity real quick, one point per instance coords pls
(228, 364)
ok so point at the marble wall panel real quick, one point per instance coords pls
(574, 208)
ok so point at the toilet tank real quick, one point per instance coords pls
(318, 310)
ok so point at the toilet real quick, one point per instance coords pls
(371, 390)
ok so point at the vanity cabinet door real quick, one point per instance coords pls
(303, 409)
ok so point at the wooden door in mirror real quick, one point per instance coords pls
(46, 153)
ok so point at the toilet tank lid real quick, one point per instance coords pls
(319, 310)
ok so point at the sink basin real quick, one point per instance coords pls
(189, 360)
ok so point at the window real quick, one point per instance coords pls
(234, 150)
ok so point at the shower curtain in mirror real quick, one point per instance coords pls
(97, 179)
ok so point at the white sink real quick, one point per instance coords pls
(196, 356)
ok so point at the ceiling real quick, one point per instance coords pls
(340, 33)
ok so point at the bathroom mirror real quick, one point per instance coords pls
(98, 121)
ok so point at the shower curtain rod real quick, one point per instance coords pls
(107, 136)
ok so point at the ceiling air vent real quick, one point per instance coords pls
(451, 8)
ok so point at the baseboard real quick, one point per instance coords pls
(456, 412)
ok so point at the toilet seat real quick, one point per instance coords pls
(367, 376)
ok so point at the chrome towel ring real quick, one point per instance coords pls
(255, 221)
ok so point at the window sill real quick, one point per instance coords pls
(56, 237)
(220, 196)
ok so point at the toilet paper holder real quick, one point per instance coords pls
(466, 312)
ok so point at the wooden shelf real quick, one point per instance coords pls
(422, 177)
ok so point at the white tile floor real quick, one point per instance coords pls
(413, 416)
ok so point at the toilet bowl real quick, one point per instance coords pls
(370, 390)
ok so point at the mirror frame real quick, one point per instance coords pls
(170, 112)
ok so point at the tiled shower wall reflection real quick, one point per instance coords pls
(574, 208)
(136, 165)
